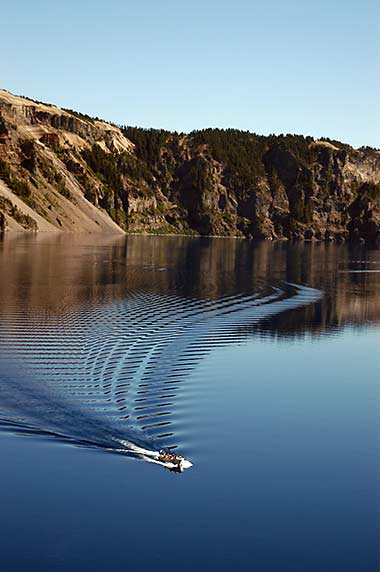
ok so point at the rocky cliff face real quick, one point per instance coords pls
(2, 222)
(40, 146)
(75, 173)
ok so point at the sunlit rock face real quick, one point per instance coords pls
(70, 172)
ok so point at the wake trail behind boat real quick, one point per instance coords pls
(111, 376)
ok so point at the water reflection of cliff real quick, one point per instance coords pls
(54, 274)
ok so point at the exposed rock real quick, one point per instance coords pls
(50, 139)
(35, 148)
(365, 214)
(82, 174)
(25, 221)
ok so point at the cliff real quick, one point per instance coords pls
(62, 170)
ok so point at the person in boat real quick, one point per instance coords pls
(170, 457)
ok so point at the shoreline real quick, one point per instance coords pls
(57, 232)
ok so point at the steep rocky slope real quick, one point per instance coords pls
(63, 170)
(38, 190)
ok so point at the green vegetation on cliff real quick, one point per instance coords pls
(223, 182)
(227, 181)
(210, 182)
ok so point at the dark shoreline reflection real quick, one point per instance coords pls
(55, 274)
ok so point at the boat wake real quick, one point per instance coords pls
(110, 376)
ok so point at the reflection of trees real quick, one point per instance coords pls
(55, 274)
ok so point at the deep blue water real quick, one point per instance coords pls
(257, 362)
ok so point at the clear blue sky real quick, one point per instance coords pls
(310, 67)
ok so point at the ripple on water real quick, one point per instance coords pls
(123, 372)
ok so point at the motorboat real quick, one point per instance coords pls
(173, 461)
(165, 458)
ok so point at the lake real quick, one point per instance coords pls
(257, 362)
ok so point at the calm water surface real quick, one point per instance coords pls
(258, 362)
